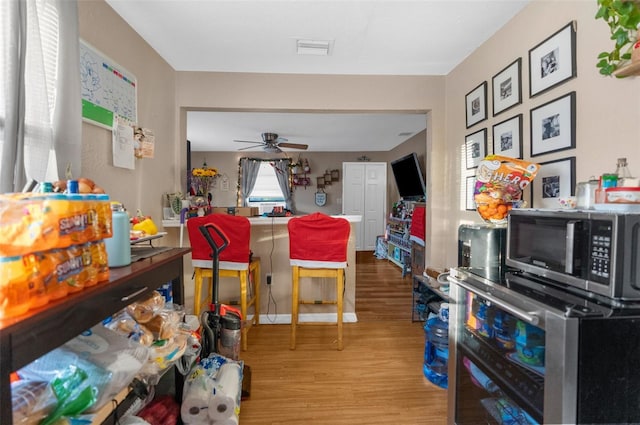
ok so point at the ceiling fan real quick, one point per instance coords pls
(272, 143)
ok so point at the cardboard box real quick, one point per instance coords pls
(241, 211)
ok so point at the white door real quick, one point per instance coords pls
(364, 193)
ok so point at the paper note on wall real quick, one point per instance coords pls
(123, 144)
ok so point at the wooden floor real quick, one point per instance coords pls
(376, 379)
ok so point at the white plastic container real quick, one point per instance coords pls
(623, 195)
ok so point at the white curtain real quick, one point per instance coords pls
(40, 105)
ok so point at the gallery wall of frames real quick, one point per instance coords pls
(551, 126)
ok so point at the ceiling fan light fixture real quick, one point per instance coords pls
(312, 47)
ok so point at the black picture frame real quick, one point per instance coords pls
(476, 105)
(552, 126)
(555, 179)
(475, 148)
(507, 137)
(470, 201)
(507, 87)
(553, 61)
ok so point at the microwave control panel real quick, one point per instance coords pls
(600, 252)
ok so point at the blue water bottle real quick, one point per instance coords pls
(436, 349)
(119, 245)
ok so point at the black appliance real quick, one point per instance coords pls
(482, 249)
(526, 348)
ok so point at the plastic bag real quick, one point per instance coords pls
(499, 184)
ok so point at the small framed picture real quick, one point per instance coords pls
(476, 105)
(470, 204)
(507, 87)
(475, 148)
(553, 125)
(555, 179)
(553, 61)
(507, 137)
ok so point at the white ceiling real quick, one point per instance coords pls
(383, 37)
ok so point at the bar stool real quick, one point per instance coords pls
(317, 248)
(235, 261)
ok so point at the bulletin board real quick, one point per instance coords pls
(107, 88)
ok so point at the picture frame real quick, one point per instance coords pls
(555, 179)
(507, 87)
(507, 137)
(553, 61)
(470, 204)
(475, 148)
(476, 105)
(553, 125)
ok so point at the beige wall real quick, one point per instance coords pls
(607, 109)
(143, 187)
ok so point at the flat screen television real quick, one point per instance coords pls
(408, 175)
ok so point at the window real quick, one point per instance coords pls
(266, 194)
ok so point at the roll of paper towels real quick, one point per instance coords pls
(195, 401)
(226, 392)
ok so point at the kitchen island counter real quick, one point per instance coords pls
(270, 242)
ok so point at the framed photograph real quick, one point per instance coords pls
(507, 87)
(470, 204)
(475, 148)
(507, 137)
(553, 125)
(553, 61)
(476, 105)
(555, 179)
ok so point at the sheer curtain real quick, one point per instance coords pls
(40, 105)
(249, 174)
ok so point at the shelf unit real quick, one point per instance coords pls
(398, 243)
(428, 294)
(26, 338)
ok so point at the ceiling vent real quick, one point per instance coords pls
(312, 47)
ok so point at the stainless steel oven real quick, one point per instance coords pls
(523, 350)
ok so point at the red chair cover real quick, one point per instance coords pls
(417, 231)
(318, 237)
(236, 228)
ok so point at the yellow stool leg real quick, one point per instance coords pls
(339, 297)
(243, 306)
(256, 291)
(197, 291)
(295, 274)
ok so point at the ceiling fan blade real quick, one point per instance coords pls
(249, 141)
(248, 147)
(293, 145)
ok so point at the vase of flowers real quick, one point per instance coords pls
(201, 180)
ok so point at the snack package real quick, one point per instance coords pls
(499, 184)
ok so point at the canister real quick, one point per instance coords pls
(119, 245)
(586, 194)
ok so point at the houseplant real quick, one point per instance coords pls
(623, 18)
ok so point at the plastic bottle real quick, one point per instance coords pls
(119, 245)
(436, 351)
(624, 175)
(14, 287)
(38, 295)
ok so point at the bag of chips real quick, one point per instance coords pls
(499, 184)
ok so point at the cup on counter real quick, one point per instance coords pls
(167, 213)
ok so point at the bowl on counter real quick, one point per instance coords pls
(567, 202)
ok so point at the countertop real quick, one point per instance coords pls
(260, 220)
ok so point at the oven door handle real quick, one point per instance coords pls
(531, 318)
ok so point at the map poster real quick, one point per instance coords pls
(106, 87)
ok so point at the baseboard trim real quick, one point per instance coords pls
(279, 319)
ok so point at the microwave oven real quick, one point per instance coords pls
(597, 252)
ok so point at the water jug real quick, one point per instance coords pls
(436, 351)
(119, 245)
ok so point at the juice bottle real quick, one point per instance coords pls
(89, 269)
(100, 262)
(68, 268)
(92, 230)
(14, 287)
(47, 265)
(78, 218)
(105, 223)
(38, 295)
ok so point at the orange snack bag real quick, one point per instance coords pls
(499, 184)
